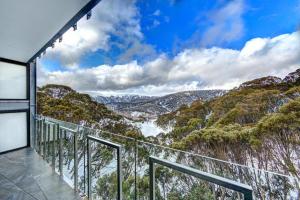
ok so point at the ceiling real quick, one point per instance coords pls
(27, 25)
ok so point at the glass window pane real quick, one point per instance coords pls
(12, 81)
(13, 130)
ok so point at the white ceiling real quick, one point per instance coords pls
(27, 25)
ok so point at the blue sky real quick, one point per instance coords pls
(180, 21)
(136, 35)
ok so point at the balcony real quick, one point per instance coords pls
(103, 165)
(45, 158)
(25, 175)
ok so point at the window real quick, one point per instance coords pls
(12, 81)
(13, 132)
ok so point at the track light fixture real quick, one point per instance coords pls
(60, 39)
(53, 45)
(89, 15)
(75, 27)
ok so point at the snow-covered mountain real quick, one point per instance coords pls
(293, 77)
(149, 106)
(123, 99)
(261, 82)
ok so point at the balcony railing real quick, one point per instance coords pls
(104, 165)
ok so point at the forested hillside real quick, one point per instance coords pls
(257, 124)
(64, 103)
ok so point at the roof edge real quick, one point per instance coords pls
(88, 7)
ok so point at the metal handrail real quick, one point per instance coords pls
(233, 185)
(61, 127)
(178, 150)
(74, 133)
(43, 129)
(67, 129)
(118, 147)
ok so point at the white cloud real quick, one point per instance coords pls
(110, 17)
(227, 24)
(298, 6)
(145, 51)
(149, 90)
(156, 23)
(190, 69)
(156, 13)
(167, 19)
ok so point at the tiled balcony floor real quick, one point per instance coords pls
(26, 176)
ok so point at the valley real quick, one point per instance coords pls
(256, 124)
(143, 111)
(136, 107)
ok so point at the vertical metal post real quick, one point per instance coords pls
(56, 153)
(35, 133)
(119, 163)
(44, 139)
(88, 149)
(39, 136)
(246, 190)
(84, 165)
(152, 179)
(54, 127)
(76, 160)
(31, 93)
(119, 168)
(60, 155)
(48, 142)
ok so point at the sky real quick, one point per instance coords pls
(159, 47)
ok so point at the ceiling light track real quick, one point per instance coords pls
(60, 36)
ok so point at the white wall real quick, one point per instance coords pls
(12, 81)
(13, 130)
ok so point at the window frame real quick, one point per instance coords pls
(27, 128)
(4, 60)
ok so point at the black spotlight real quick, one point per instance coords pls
(89, 15)
(75, 27)
(60, 39)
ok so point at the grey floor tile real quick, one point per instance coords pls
(25, 175)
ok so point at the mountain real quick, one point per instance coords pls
(257, 124)
(123, 99)
(63, 103)
(263, 82)
(151, 106)
(57, 100)
(293, 78)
